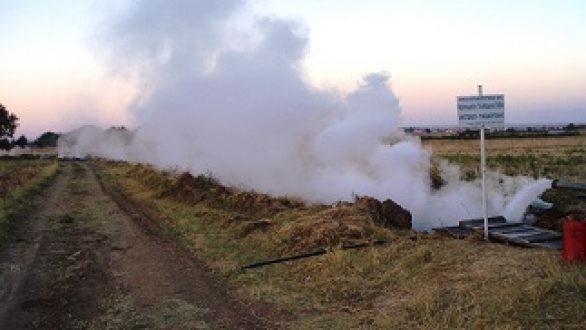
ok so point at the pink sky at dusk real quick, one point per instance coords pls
(54, 78)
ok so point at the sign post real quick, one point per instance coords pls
(480, 111)
(483, 171)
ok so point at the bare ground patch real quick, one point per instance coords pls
(85, 262)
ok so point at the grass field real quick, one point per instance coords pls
(415, 281)
(562, 157)
(552, 157)
(19, 181)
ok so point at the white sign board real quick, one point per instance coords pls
(481, 110)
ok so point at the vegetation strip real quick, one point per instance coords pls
(418, 281)
(8, 174)
(221, 302)
(15, 194)
(320, 251)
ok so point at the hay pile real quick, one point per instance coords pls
(387, 214)
(327, 228)
(363, 220)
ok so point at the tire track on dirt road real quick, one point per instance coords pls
(91, 262)
(54, 266)
(153, 265)
(17, 256)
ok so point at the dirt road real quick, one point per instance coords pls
(84, 260)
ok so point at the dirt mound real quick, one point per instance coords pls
(207, 189)
(316, 226)
(386, 214)
(204, 188)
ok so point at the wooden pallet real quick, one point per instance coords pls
(510, 232)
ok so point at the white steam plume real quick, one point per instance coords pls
(223, 92)
(515, 208)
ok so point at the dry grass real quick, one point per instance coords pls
(428, 282)
(327, 228)
(556, 145)
(205, 189)
(9, 165)
(16, 174)
(561, 157)
(416, 281)
(278, 225)
(19, 179)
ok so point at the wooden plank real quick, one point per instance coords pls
(541, 237)
(480, 222)
(505, 226)
(455, 231)
(511, 232)
(518, 230)
(531, 237)
(555, 245)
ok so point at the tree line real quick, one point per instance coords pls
(8, 126)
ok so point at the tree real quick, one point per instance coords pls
(571, 127)
(22, 141)
(47, 139)
(4, 144)
(8, 124)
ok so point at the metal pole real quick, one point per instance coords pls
(483, 170)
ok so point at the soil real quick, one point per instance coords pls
(386, 214)
(85, 257)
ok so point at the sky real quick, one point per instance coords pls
(53, 77)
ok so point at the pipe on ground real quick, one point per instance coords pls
(557, 184)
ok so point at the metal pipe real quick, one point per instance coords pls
(568, 185)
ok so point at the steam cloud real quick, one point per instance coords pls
(223, 91)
